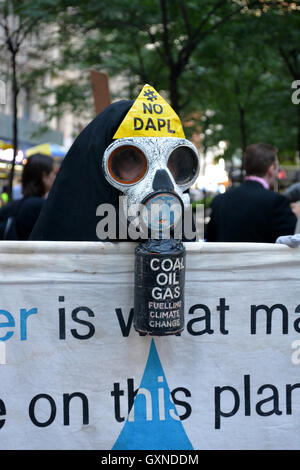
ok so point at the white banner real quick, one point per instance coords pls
(74, 374)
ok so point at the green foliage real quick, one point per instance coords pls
(235, 58)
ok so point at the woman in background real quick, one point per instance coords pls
(18, 217)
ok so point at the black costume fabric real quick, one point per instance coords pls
(69, 213)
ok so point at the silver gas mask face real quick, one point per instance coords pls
(153, 173)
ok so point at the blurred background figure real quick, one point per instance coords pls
(253, 212)
(292, 193)
(18, 217)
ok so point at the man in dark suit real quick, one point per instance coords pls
(252, 212)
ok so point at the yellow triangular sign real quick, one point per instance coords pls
(150, 116)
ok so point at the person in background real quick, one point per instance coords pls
(37, 179)
(252, 212)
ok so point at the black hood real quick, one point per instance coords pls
(69, 213)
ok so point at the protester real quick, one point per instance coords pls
(18, 217)
(252, 212)
(81, 186)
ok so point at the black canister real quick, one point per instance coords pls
(159, 287)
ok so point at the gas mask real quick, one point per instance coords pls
(153, 173)
(152, 165)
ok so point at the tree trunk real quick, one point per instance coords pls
(298, 133)
(174, 92)
(243, 133)
(243, 128)
(15, 121)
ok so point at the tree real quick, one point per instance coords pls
(19, 21)
(242, 79)
(202, 55)
(284, 36)
(147, 40)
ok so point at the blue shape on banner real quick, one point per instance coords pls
(153, 423)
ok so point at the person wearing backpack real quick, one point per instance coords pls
(17, 218)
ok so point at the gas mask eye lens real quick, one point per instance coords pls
(127, 164)
(183, 165)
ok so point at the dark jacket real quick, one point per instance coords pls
(250, 213)
(24, 214)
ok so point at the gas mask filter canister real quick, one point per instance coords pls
(152, 164)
